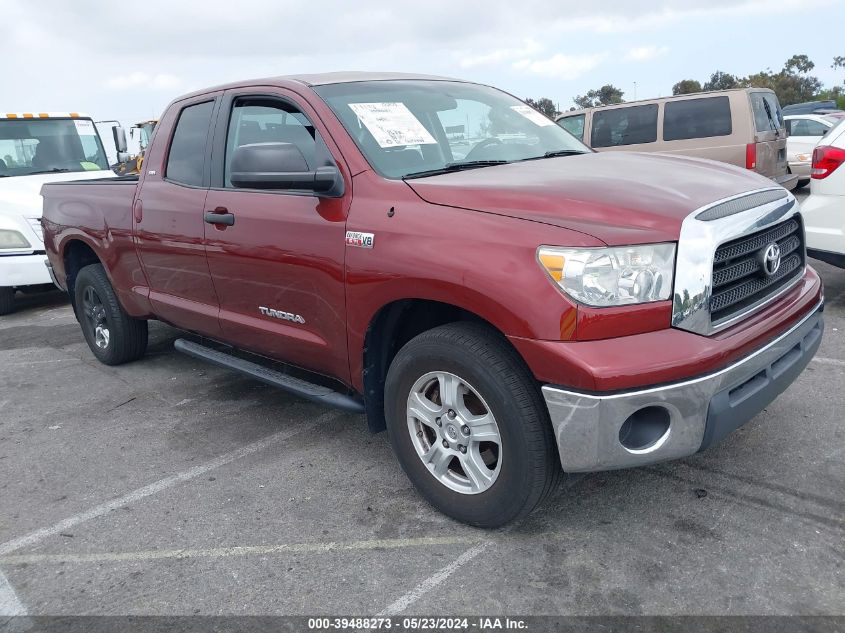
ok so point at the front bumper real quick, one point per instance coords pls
(700, 412)
(802, 169)
(23, 270)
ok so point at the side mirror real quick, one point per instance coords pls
(281, 166)
(119, 135)
(122, 157)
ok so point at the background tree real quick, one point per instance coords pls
(686, 86)
(798, 64)
(721, 81)
(838, 62)
(544, 105)
(792, 84)
(605, 95)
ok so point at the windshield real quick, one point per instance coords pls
(34, 146)
(416, 127)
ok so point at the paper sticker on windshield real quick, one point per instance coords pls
(84, 127)
(532, 115)
(392, 124)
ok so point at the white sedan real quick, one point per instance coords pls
(804, 132)
(824, 210)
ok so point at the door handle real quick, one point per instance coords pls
(215, 217)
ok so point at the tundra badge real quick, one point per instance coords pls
(278, 314)
(361, 240)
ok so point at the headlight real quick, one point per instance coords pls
(12, 239)
(612, 276)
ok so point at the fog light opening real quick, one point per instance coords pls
(644, 428)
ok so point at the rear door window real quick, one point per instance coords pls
(186, 159)
(624, 126)
(574, 125)
(697, 118)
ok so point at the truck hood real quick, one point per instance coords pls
(21, 195)
(21, 203)
(617, 197)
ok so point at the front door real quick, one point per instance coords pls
(168, 221)
(278, 267)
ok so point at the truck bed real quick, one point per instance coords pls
(96, 215)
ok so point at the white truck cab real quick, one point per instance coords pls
(36, 149)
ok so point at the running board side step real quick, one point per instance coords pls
(291, 384)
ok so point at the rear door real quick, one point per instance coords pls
(168, 219)
(278, 269)
(770, 134)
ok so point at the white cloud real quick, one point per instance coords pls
(646, 53)
(158, 81)
(562, 66)
(497, 56)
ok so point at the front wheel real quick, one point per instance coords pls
(113, 336)
(469, 426)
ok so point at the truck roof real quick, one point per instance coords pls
(44, 115)
(321, 79)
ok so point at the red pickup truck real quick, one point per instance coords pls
(437, 255)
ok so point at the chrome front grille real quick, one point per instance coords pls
(722, 273)
(739, 276)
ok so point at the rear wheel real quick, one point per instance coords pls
(7, 300)
(469, 426)
(113, 336)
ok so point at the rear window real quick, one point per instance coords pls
(697, 118)
(186, 158)
(574, 125)
(625, 126)
(767, 112)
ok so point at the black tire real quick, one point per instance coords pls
(126, 338)
(530, 467)
(7, 300)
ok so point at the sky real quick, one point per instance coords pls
(127, 61)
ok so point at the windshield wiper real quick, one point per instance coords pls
(55, 170)
(557, 152)
(771, 117)
(451, 167)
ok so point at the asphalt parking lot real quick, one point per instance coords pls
(172, 487)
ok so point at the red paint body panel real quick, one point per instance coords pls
(101, 218)
(620, 197)
(468, 239)
(284, 252)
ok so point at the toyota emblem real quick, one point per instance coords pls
(771, 259)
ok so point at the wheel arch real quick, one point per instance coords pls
(393, 325)
(76, 255)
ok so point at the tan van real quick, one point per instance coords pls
(743, 127)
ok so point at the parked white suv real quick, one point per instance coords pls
(805, 131)
(36, 149)
(824, 210)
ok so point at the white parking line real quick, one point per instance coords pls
(136, 495)
(432, 581)
(317, 547)
(829, 361)
(10, 604)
